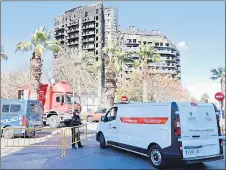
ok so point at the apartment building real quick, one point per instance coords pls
(111, 24)
(91, 27)
(132, 39)
(81, 29)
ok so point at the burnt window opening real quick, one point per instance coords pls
(96, 17)
(86, 14)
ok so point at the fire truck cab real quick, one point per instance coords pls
(57, 101)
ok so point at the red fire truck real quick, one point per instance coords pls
(57, 102)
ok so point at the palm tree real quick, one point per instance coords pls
(39, 43)
(219, 73)
(114, 59)
(3, 55)
(147, 55)
(205, 98)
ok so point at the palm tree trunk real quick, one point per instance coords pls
(35, 74)
(110, 84)
(145, 82)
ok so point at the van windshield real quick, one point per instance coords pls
(36, 108)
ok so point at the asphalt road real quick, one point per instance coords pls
(89, 157)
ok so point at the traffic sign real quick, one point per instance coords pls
(124, 99)
(219, 96)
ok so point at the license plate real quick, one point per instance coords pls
(192, 151)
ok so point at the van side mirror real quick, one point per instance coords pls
(103, 119)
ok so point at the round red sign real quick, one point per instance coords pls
(219, 96)
(124, 99)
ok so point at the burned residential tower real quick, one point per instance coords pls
(91, 27)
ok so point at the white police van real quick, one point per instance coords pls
(187, 132)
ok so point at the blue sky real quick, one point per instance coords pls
(198, 28)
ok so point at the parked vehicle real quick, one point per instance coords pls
(20, 114)
(57, 102)
(164, 132)
(95, 116)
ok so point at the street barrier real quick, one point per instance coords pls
(81, 130)
(41, 137)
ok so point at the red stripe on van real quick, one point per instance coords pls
(136, 120)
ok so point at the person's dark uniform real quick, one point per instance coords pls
(76, 121)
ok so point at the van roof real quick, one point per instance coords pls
(14, 101)
(140, 104)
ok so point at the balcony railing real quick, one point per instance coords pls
(88, 26)
(165, 51)
(88, 33)
(72, 36)
(73, 30)
(164, 71)
(88, 40)
(130, 44)
(59, 34)
(88, 47)
(73, 23)
(88, 20)
(72, 43)
(157, 64)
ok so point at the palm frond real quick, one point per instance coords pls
(217, 73)
(54, 46)
(40, 35)
(40, 49)
(23, 46)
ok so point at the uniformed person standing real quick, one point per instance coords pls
(76, 121)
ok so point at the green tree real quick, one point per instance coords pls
(205, 98)
(147, 55)
(219, 73)
(3, 55)
(115, 59)
(40, 42)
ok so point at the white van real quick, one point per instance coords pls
(169, 131)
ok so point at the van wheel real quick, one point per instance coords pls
(30, 133)
(54, 121)
(156, 157)
(102, 141)
(89, 119)
(8, 133)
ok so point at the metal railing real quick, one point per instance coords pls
(42, 137)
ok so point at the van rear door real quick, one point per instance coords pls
(34, 114)
(199, 131)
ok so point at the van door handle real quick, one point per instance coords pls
(114, 127)
(196, 136)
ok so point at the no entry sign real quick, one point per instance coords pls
(219, 96)
(124, 99)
